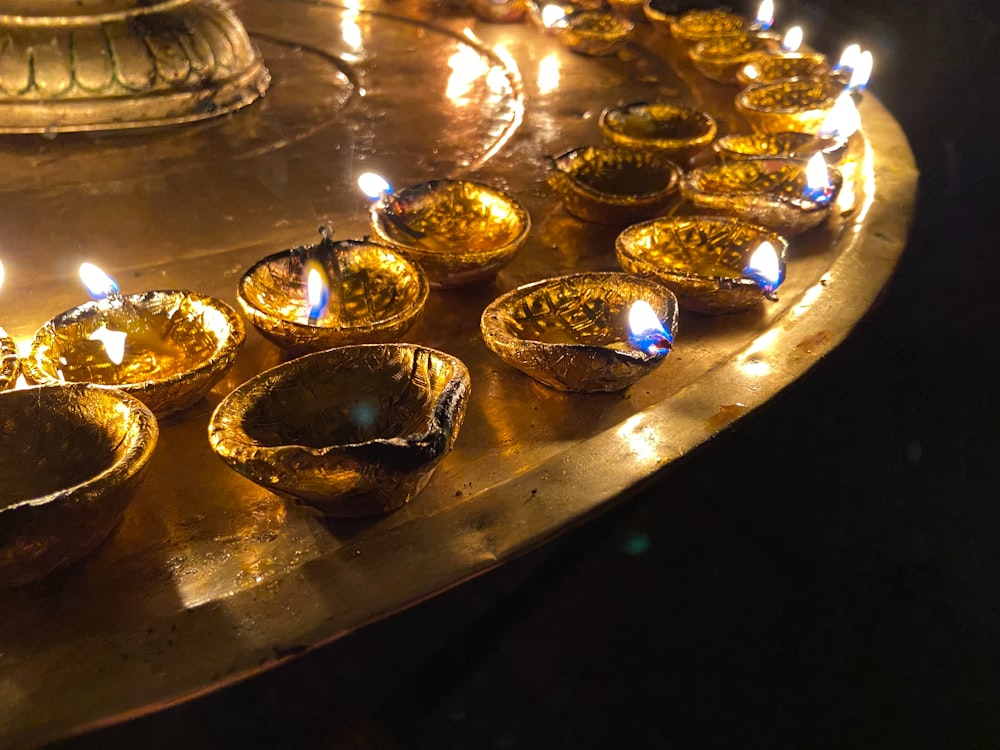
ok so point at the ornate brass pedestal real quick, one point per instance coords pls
(72, 65)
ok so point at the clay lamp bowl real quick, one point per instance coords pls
(70, 458)
(799, 105)
(676, 131)
(352, 431)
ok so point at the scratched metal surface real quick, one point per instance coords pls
(210, 577)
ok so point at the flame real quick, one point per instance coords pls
(552, 15)
(373, 185)
(843, 120)
(646, 330)
(765, 15)
(98, 283)
(114, 342)
(751, 72)
(764, 267)
(849, 57)
(818, 187)
(792, 39)
(317, 290)
(862, 72)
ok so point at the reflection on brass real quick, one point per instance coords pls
(614, 185)
(772, 192)
(720, 59)
(375, 295)
(70, 458)
(799, 104)
(460, 232)
(769, 67)
(700, 25)
(702, 259)
(790, 145)
(354, 431)
(69, 66)
(168, 348)
(572, 333)
(499, 11)
(678, 131)
(594, 32)
(10, 365)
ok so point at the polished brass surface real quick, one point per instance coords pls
(572, 332)
(500, 11)
(790, 145)
(701, 259)
(71, 457)
(460, 232)
(174, 346)
(769, 67)
(614, 185)
(111, 66)
(10, 363)
(722, 58)
(772, 192)
(679, 131)
(211, 577)
(594, 32)
(700, 25)
(375, 295)
(353, 431)
(794, 105)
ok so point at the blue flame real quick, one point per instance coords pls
(647, 333)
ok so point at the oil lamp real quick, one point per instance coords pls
(167, 347)
(352, 431)
(796, 105)
(701, 25)
(763, 67)
(593, 32)
(499, 11)
(679, 132)
(573, 333)
(722, 58)
(10, 364)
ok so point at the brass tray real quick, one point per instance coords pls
(209, 577)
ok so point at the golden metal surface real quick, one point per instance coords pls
(460, 232)
(594, 32)
(699, 25)
(701, 259)
(572, 332)
(721, 59)
(790, 145)
(173, 346)
(772, 192)
(210, 577)
(71, 457)
(86, 66)
(770, 67)
(614, 185)
(375, 295)
(679, 131)
(10, 363)
(797, 105)
(353, 431)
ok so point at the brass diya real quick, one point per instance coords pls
(722, 58)
(70, 458)
(614, 185)
(168, 348)
(572, 333)
(790, 145)
(701, 25)
(767, 67)
(710, 262)
(10, 363)
(678, 131)
(460, 232)
(594, 32)
(772, 192)
(500, 11)
(353, 431)
(374, 295)
(798, 105)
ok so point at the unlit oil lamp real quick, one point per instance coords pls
(679, 132)
(596, 32)
(786, 195)
(333, 294)
(70, 458)
(353, 431)
(587, 332)
(10, 363)
(460, 232)
(167, 347)
(614, 185)
(701, 25)
(713, 264)
(499, 11)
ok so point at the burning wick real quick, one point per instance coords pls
(99, 284)
(843, 120)
(862, 72)
(764, 269)
(818, 187)
(647, 332)
(552, 15)
(374, 185)
(317, 291)
(792, 39)
(849, 57)
(765, 15)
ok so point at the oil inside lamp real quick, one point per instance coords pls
(849, 58)
(792, 39)
(818, 188)
(861, 73)
(317, 291)
(765, 15)
(646, 332)
(764, 268)
(843, 120)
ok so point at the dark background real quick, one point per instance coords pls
(849, 599)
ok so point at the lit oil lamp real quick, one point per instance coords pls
(614, 185)
(798, 105)
(713, 264)
(787, 195)
(549, 16)
(10, 364)
(333, 294)
(679, 132)
(765, 67)
(353, 431)
(70, 458)
(722, 58)
(579, 332)
(499, 11)
(166, 347)
(593, 32)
